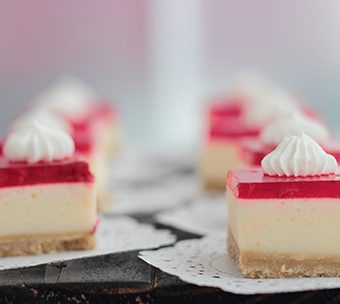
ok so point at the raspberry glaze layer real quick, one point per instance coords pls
(24, 174)
(101, 110)
(253, 151)
(84, 141)
(231, 107)
(253, 184)
(231, 128)
(83, 130)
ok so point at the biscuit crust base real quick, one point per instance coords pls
(35, 245)
(214, 185)
(267, 265)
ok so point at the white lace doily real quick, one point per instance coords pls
(153, 197)
(205, 262)
(114, 235)
(205, 215)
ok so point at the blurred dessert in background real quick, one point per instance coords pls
(222, 150)
(253, 103)
(88, 147)
(84, 110)
(72, 106)
(47, 193)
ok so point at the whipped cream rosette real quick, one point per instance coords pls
(289, 125)
(69, 97)
(42, 116)
(37, 143)
(299, 156)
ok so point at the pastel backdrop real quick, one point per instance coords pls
(160, 60)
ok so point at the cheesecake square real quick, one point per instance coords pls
(284, 226)
(96, 137)
(87, 146)
(46, 207)
(222, 149)
(101, 119)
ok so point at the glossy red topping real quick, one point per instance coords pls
(253, 151)
(104, 109)
(231, 107)
(253, 184)
(100, 110)
(231, 128)
(24, 174)
(84, 141)
(84, 130)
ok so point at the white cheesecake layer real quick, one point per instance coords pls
(109, 138)
(285, 226)
(217, 159)
(99, 167)
(47, 209)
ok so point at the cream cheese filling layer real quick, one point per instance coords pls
(109, 138)
(305, 227)
(47, 209)
(219, 157)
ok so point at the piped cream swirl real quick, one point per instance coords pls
(42, 116)
(269, 106)
(289, 125)
(299, 156)
(38, 143)
(251, 85)
(68, 97)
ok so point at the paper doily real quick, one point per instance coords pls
(206, 215)
(205, 262)
(114, 235)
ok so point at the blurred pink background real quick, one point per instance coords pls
(159, 60)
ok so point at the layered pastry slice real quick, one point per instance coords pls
(283, 218)
(80, 106)
(247, 88)
(222, 147)
(222, 150)
(255, 149)
(93, 124)
(87, 146)
(47, 195)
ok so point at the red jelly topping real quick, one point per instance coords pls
(84, 141)
(24, 174)
(253, 151)
(104, 109)
(253, 184)
(101, 110)
(84, 130)
(231, 107)
(231, 128)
